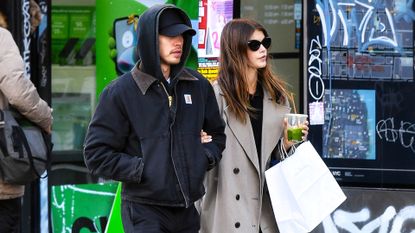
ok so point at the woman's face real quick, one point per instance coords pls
(257, 59)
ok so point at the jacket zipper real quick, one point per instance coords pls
(169, 97)
(171, 142)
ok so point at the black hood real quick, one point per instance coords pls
(148, 42)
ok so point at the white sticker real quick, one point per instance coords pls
(316, 113)
(188, 99)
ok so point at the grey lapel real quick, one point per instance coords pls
(245, 136)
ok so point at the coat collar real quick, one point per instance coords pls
(144, 80)
(273, 115)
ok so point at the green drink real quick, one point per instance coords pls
(295, 124)
(295, 134)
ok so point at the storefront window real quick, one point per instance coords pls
(73, 86)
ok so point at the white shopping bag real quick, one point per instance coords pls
(303, 191)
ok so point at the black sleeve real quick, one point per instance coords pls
(105, 141)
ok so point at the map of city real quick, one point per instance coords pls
(349, 128)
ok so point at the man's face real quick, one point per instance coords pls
(171, 49)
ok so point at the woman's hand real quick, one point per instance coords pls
(204, 137)
(288, 144)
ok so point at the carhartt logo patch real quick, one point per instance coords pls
(187, 99)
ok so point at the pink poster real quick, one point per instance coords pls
(213, 15)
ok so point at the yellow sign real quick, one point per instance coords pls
(211, 73)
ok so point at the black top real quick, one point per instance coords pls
(256, 101)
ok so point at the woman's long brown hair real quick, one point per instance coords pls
(233, 66)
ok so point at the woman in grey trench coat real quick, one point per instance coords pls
(252, 101)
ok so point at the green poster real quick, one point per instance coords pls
(60, 26)
(79, 25)
(73, 35)
(81, 208)
(116, 35)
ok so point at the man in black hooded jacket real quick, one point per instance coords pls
(146, 129)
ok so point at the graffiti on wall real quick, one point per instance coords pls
(402, 132)
(315, 82)
(372, 210)
(364, 23)
(390, 221)
(370, 39)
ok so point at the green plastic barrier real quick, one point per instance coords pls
(81, 208)
(114, 220)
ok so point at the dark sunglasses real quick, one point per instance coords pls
(255, 44)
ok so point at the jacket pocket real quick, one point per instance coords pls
(158, 177)
(196, 161)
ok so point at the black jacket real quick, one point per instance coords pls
(154, 149)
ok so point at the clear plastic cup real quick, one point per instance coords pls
(294, 129)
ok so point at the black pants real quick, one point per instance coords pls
(140, 218)
(10, 211)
